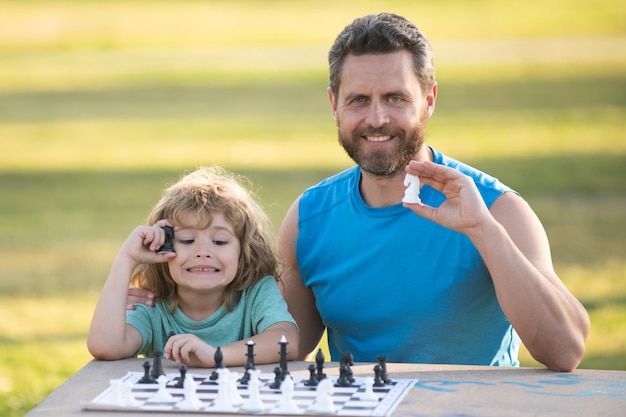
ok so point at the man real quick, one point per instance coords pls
(453, 279)
(460, 277)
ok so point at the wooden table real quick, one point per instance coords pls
(442, 390)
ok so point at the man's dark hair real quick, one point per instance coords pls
(382, 33)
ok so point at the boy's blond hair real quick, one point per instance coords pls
(203, 192)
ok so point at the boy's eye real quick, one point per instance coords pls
(187, 241)
(220, 242)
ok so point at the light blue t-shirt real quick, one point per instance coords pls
(259, 307)
(389, 282)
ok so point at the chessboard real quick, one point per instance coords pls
(201, 394)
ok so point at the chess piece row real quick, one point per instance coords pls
(316, 371)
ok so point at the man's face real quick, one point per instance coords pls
(381, 112)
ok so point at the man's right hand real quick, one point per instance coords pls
(139, 296)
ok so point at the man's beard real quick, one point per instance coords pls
(384, 162)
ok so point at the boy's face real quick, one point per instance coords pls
(206, 259)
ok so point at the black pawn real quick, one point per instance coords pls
(157, 366)
(378, 381)
(382, 361)
(312, 382)
(319, 360)
(343, 380)
(181, 381)
(278, 378)
(146, 378)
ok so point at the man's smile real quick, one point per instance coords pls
(377, 138)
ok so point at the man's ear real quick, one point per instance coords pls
(333, 103)
(429, 101)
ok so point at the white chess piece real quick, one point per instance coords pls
(253, 404)
(412, 192)
(324, 401)
(286, 404)
(223, 402)
(233, 392)
(127, 395)
(115, 398)
(191, 400)
(369, 394)
(162, 395)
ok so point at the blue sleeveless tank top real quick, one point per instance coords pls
(389, 282)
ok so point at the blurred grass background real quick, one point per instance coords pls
(103, 104)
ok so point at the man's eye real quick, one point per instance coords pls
(358, 100)
(395, 99)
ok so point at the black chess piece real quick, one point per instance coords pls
(378, 381)
(278, 378)
(146, 378)
(218, 357)
(343, 380)
(312, 381)
(319, 360)
(249, 363)
(168, 245)
(181, 381)
(283, 357)
(348, 360)
(157, 366)
(382, 361)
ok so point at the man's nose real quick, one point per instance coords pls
(377, 115)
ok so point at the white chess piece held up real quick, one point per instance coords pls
(412, 192)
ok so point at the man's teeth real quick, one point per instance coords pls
(377, 138)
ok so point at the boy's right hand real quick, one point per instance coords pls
(142, 246)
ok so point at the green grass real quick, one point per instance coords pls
(103, 104)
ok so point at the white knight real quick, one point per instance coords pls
(412, 192)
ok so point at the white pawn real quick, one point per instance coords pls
(412, 192)
(191, 400)
(369, 394)
(222, 402)
(127, 395)
(162, 395)
(233, 392)
(324, 402)
(253, 403)
(115, 398)
(286, 404)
